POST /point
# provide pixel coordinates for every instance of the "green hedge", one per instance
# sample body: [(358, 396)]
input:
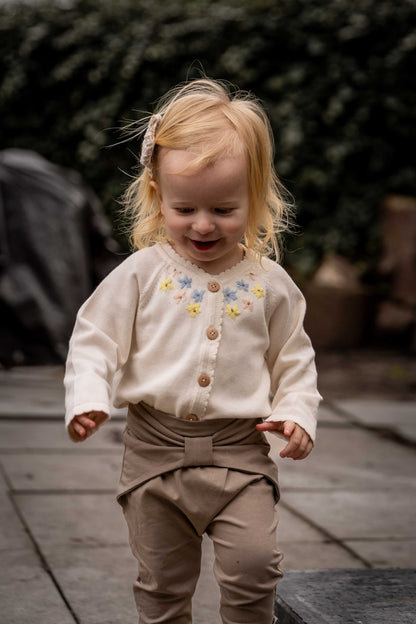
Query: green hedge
[(337, 78)]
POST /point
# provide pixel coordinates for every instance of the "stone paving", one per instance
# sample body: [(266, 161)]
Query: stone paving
[(63, 542)]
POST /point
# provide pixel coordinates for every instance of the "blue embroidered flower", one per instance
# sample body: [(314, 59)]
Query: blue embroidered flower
[(185, 281), (242, 285), (230, 295), (198, 295)]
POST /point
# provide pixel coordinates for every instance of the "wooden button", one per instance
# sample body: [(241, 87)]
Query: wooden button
[(191, 417), (212, 333), (213, 286), (204, 380)]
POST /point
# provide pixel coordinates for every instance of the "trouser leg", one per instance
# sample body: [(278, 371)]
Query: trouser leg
[(246, 555), (168, 550)]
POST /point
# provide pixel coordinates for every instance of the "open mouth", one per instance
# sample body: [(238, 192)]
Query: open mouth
[(204, 245)]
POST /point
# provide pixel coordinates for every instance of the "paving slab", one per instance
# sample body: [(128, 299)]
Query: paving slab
[(35, 392), (70, 519), (356, 486), (32, 391), (323, 555), (394, 553), (27, 592), (379, 413), (96, 581), (59, 472), (25, 436), (407, 432), (92, 561), (12, 531), (358, 515), (328, 416), (350, 458), (291, 528), (348, 597)]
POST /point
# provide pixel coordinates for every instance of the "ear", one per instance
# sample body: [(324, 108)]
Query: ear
[(156, 189)]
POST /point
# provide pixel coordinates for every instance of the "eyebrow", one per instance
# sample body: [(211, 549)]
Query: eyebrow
[(225, 204)]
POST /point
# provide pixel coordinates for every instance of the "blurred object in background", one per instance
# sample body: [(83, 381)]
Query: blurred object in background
[(55, 246), (340, 307), (396, 318)]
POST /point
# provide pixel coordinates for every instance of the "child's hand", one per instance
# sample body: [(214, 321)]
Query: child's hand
[(299, 445), (83, 426)]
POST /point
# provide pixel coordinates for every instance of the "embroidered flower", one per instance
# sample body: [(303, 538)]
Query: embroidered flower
[(198, 295), (248, 304), (166, 285), (242, 285), (193, 309), (230, 295), (251, 275), (259, 292), (173, 271), (233, 311), (185, 281), (179, 296)]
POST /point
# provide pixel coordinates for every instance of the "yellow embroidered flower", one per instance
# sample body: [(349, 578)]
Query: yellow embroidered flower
[(166, 285), (194, 309), (259, 292), (233, 311)]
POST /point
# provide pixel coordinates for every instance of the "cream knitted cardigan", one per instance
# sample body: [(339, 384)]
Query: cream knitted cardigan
[(161, 330)]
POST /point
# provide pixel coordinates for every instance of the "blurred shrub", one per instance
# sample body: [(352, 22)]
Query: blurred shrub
[(337, 78)]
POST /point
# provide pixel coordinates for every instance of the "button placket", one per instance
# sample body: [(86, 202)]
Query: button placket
[(209, 348)]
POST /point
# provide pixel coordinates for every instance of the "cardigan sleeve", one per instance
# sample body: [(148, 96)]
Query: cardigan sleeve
[(291, 361), (100, 343)]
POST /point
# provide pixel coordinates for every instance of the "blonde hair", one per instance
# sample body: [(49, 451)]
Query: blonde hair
[(206, 118)]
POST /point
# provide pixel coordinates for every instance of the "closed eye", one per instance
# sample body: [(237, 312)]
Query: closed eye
[(223, 211), (184, 210)]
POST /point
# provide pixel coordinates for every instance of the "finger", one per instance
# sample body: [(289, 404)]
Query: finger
[(270, 426), (88, 425), (303, 450), (289, 427), (76, 431), (302, 443), (307, 451), (82, 426), (98, 417), (86, 421), (72, 434), (293, 444)]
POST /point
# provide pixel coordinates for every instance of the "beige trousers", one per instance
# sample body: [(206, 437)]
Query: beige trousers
[(167, 515)]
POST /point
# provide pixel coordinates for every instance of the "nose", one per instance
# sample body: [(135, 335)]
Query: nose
[(203, 223)]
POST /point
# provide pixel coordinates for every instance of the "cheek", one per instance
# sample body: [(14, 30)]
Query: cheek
[(237, 226), (173, 222)]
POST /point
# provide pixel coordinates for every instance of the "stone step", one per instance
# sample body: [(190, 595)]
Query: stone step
[(347, 597)]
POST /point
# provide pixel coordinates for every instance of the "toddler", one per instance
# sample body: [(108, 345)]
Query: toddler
[(201, 335)]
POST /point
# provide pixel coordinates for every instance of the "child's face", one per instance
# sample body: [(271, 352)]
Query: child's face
[(205, 211)]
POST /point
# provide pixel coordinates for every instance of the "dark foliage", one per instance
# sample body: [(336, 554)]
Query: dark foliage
[(337, 78)]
